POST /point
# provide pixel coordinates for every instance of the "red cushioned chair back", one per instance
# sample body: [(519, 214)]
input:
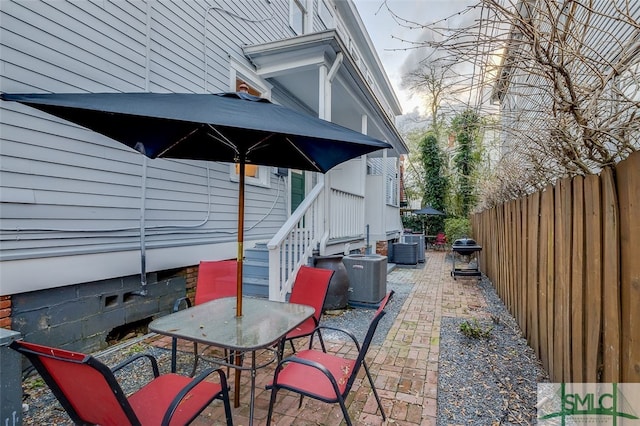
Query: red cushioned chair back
[(441, 238), (373, 325), (85, 387), (216, 279), (310, 288)]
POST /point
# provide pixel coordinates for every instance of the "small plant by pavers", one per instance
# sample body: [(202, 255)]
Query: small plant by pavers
[(473, 329), (35, 382), (135, 349)]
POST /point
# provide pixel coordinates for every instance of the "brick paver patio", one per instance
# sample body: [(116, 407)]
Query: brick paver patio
[(405, 367)]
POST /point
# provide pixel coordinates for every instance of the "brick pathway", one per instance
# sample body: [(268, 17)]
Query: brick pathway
[(405, 367)]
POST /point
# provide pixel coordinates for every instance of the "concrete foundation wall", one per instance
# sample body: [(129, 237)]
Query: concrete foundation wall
[(79, 317)]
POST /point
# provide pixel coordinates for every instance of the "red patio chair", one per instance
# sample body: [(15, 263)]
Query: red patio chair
[(324, 376), (440, 241), (216, 279), (89, 392), (309, 288)]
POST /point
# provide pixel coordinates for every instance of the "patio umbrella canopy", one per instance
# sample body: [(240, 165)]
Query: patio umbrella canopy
[(228, 127), (429, 211)]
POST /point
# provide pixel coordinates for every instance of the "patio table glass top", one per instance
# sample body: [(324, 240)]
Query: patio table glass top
[(263, 323)]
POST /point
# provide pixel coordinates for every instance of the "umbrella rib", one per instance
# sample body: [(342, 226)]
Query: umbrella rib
[(257, 144), (306, 157), (167, 149), (222, 139)]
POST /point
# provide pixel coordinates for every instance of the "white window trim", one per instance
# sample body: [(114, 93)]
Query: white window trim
[(239, 70), (325, 13), (303, 6), (263, 179)]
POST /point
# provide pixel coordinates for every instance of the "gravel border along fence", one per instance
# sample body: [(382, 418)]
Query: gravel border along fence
[(487, 381)]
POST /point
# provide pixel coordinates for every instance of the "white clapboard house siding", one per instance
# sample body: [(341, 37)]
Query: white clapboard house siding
[(71, 198), (67, 191)]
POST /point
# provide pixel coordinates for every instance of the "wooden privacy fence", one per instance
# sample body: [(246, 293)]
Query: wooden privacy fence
[(566, 263)]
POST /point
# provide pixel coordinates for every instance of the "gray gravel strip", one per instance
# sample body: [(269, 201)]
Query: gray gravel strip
[(487, 381)]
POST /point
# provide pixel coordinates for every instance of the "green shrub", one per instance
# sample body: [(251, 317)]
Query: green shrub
[(412, 222), (456, 228)]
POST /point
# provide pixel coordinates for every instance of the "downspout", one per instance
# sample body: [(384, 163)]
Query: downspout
[(143, 190), (323, 97), (385, 177), (143, 250)]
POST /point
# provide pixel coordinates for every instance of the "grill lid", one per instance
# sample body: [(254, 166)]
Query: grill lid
[(465, 246), (465, 242)]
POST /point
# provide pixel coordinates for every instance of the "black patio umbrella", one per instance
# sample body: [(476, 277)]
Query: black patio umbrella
[(429, 211), (228, 127)]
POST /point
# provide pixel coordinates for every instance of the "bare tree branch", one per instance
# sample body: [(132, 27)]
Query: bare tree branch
[(568, 83)]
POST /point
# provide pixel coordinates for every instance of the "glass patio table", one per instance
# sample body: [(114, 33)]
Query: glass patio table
[(263, 323)]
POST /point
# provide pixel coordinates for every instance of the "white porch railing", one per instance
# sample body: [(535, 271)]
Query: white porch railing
[(346, 215), (307, 230), (294, 243)]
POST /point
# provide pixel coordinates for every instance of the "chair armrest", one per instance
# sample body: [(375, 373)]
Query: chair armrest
[(180, 301), (311, 364), (340, 330), (151, 358), (192, 384)]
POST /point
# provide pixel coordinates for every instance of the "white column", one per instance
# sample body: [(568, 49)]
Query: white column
[(364, 126)]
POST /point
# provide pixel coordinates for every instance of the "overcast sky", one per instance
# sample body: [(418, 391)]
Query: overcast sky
[(397, 56)]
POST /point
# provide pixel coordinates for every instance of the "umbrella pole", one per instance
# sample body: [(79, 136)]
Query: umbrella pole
[(240, 238), (238, 358)]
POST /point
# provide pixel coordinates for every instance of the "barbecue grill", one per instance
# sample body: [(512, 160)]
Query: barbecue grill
[(465, 247)]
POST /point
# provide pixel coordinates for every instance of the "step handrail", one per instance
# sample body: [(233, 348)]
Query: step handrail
[(294, 242)]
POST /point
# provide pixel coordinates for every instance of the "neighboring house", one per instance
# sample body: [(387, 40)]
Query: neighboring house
[(569, 82), (73, 202)]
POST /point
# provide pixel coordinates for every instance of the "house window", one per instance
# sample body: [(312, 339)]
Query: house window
[(325, 14), (242, 86), (388, 168), (250, 170), (297, 16), (254, 174), (391, 191)]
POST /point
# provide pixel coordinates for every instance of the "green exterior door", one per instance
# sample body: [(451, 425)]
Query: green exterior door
[(297, 189)]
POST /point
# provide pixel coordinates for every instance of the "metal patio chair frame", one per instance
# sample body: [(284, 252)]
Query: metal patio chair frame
[(216, 279), (440, 242), (90, 394), (309, 288), (324, 376)]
